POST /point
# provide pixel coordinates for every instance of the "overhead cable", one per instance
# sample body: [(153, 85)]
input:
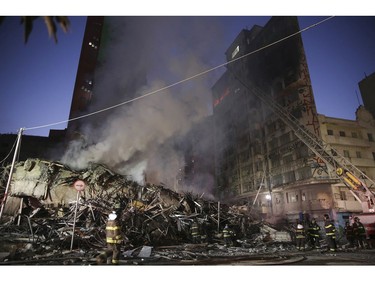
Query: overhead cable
[(181, 81)]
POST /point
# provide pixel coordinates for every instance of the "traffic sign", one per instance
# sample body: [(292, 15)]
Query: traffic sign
[(79, 185)]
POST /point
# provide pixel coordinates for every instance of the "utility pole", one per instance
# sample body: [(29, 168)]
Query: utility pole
[(15, 156)]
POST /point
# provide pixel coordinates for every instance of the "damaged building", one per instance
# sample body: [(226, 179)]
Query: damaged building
[(244, 166), (45, 210), (259, 159)]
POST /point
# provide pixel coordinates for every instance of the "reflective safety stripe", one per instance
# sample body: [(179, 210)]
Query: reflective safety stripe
[(226, 233), (112, 227), (113, 241)]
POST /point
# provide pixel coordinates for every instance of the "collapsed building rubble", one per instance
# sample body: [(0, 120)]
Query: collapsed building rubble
[(45, 213)]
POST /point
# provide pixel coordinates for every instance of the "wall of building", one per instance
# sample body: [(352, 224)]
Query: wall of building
[(258, 159), (253, 145)]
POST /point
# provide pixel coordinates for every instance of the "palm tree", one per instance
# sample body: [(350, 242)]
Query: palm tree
[(50, 21)]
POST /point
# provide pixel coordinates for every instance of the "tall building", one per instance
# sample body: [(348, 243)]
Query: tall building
[(88, 61), (101, 33), (367, 89), (259, 159)]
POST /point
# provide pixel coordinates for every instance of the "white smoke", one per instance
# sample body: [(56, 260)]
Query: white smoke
[(144, 54)]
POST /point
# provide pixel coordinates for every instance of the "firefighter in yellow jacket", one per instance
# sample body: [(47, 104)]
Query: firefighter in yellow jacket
[(300, 236), (113, 239), (330, 230)]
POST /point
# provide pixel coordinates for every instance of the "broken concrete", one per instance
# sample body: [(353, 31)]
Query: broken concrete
[(47, 213)]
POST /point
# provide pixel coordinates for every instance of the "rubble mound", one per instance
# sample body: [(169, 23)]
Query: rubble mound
[(43, 208)]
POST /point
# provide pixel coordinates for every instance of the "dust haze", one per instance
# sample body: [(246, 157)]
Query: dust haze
[(140, 55)]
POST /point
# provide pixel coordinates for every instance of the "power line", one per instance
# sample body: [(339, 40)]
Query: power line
[(13, 146), (181, 81)]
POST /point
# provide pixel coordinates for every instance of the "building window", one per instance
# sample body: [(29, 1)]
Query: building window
[(373, 155), (235, 52), (346, 153), (342, 134), (343, 195), (288, 159), (354, 135), (293, 198), (287, 197), (303, 197), (358, 153), (285, 138), (275, 162), (330, 132), (370, 137), (273, 143)]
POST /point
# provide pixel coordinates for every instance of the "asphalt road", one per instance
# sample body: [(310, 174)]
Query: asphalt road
[(341, 257)]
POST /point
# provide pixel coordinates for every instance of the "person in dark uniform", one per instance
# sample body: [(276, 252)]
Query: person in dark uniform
[(195, 232), (114, 239), (300, 237), (330, 230), (313, 232), (359, 233), (349, 233), (227, 235)]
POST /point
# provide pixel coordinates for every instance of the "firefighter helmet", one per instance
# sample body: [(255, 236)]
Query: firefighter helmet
[(112, 216)]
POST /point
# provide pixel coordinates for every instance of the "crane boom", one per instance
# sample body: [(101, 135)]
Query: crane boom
[(348, 173)]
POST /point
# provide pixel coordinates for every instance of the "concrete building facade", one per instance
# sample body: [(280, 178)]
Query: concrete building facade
[(259, 160), (83, 88)]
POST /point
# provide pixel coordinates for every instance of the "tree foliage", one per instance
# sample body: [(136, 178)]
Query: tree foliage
[(51, 23)]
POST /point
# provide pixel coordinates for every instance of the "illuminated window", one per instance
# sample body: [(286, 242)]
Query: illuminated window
[(235, 52)]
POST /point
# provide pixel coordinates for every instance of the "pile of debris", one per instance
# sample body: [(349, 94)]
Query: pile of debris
[(45, 211)]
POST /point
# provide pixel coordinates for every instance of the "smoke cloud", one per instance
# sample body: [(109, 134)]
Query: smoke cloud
[(145, 138)]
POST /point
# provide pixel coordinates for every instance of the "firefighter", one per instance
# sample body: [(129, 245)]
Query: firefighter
[(359, 233), (300, 237), (195, 231), (204, 232), (227, 235), (114, 239), (330, 230), (313, 232), (349, 233)]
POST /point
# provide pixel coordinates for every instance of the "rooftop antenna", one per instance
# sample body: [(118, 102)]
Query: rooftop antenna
[(356, 93)]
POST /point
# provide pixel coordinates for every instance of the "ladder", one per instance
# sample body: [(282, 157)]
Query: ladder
[(348, 173)]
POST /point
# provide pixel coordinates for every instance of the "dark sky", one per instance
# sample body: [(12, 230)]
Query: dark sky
[(37, 78)]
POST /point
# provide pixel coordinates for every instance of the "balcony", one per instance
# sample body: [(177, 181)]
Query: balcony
[(337, 140), (350, 206)]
